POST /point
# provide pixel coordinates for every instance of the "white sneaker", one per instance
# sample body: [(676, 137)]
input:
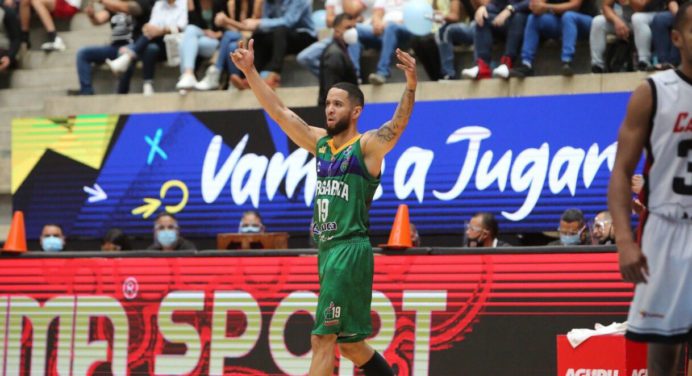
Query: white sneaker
[(120, 64), (502, 71), (57, 45), (187, 81), (471, 73), (210, 80), (377, 79), (148, 89)]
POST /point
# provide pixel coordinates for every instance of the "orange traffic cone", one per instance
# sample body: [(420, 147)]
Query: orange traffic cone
[(400, 237), (16, 238)]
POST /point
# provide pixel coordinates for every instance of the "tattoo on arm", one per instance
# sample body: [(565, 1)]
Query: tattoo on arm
[(386, 133), (301, 121)]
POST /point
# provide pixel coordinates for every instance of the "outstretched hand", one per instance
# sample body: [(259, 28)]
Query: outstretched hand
[(244, 58), (407, 64)]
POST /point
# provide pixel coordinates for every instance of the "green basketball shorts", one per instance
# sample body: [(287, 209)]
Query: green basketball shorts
[(343, 306)]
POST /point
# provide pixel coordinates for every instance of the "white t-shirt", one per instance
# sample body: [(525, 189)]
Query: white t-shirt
[(393, 10), (165, 15), (339, 8)]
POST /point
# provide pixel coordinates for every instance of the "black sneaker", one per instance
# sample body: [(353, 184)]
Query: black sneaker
[(520, 71), (597, 69), (567, 69), (643, 66)]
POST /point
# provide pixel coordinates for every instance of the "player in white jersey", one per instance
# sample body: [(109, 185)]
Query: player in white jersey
[(659, 119)]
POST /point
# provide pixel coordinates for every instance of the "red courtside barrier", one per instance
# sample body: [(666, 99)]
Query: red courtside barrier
[(218, 313)]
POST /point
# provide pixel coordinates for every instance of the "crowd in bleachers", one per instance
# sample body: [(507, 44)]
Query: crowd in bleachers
[(198, 33)]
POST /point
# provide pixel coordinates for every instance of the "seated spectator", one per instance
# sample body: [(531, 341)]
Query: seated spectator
[(572, 229), (310, 56), (603, 233), (167, 16), (335, 63), (482, 231), (52, 238), (126, 19), (368, 36), (46, 10), (251, 223), (644, 13), (167, 235), (201, 38), (503, 18), (115, 240), (666, 53), (286, 27), (415, 237), (388, 29), (454, 33), (616, 19), (10, 38), (427, 47), (232, 26), (555, 19)]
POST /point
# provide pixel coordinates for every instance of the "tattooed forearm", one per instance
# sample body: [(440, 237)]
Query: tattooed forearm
[(301, 121), (386, 133), (404, 110)]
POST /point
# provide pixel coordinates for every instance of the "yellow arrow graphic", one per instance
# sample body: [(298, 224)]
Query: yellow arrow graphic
[(147, 209), (178, 184)]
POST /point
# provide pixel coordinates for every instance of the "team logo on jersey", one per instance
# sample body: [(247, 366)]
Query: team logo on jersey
[(332, 315), (322, 150), (344, 165)]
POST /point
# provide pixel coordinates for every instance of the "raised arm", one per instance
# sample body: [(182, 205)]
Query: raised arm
[(296, 128), (631, 139), (377, 143)]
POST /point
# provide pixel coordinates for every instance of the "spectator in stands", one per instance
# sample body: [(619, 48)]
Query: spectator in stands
[(505, 18), (602, 232), (482, 231), (568, 20), (115, 240), (201, 38), (388, 32), (167, 16), (46, 10), (667, 54), (310, 56), (126, 19), (572, 228), (167, 235), (286, 27), (232, 26), (616, 19), (52, 238), (645, 11), (10, 38), (251, 223), (367, 38), (454, 32), (335, 64), (415, 237)]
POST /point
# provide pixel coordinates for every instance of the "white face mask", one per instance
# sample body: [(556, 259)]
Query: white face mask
[(351, 36)]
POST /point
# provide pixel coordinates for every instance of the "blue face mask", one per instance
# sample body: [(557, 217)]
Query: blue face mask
[(569, 239), (166, 237), (51, 244), (249, 229)]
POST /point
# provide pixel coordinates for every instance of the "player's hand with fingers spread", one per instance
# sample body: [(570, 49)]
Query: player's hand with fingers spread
[(407, 64), (633, 265), (244, 58)]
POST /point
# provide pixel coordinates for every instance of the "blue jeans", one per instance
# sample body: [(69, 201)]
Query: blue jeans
[(447, 37), (366, 39), (394, 35), (310, 57), (513, 29), (569, 26), (664, 49), (87, 56), (229, 42), (195, 43), (150, 51)]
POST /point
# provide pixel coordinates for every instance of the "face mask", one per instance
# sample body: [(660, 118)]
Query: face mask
[(351, 36), (251, 229), (569, 239), (51, 244), (166, 237)]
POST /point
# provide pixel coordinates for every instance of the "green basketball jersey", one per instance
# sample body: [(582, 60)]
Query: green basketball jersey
[(344, 192)]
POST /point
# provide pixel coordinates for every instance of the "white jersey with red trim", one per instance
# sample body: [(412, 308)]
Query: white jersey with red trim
[(668, 171)]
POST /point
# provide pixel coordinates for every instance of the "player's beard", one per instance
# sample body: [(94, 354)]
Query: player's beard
[(340, 126)]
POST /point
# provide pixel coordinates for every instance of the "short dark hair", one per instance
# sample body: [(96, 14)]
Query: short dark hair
[(253, 212), (489, 223), (355, 95), (341, 18), (572, 215), (681, 16), (117, 237), (165, 214)]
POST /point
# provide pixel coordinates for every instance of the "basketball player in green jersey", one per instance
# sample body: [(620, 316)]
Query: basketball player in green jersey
[(348, 172)]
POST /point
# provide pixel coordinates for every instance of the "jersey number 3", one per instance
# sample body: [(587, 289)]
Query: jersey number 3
[(679, 186)]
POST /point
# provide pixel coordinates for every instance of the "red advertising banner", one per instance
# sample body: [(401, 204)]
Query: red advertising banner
[(223, 314)]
